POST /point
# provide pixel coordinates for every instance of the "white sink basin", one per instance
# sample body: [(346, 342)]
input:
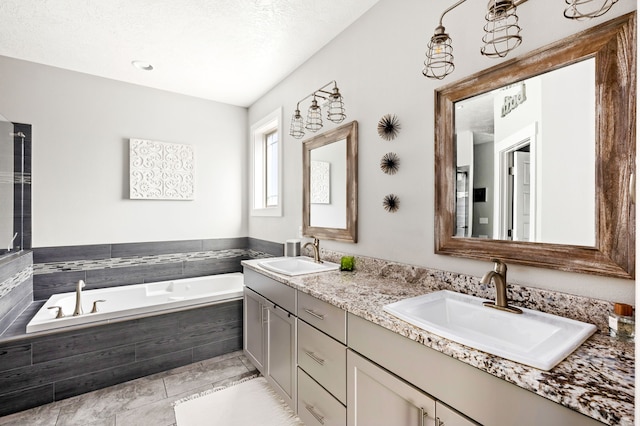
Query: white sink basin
[(532, 338), (297, 265)]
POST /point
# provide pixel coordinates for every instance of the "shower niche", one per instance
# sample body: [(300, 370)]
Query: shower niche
[(15, 187)]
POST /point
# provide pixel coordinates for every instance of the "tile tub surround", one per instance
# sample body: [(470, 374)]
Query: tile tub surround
[(596, 380), (100, 356), (58, 269), (45, 367)]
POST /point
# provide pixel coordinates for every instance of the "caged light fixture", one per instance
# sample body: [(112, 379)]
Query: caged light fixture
[(587, 9), (335, 111), (501, 32), (439, 62)]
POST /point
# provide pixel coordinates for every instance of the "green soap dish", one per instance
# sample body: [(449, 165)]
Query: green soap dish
[(347, 263)]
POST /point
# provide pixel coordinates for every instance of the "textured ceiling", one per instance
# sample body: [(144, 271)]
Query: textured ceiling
[(230, 51)]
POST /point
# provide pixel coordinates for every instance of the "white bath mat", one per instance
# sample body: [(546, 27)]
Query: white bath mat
[(250, 401)]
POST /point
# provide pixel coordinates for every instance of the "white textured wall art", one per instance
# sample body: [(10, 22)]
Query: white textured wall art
[(160, 171), (320, 182)]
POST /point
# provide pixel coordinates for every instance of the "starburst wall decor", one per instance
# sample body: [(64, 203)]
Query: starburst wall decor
[(391, 203), (388, 127), (390, 163)]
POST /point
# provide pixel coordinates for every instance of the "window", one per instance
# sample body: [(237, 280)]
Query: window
[(267, 166)]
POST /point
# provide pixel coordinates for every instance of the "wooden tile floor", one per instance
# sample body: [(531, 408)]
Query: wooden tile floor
[(145, 401)]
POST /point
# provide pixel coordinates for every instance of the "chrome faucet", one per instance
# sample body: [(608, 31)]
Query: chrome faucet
[(78, 310), (499, 277), (316, 249)]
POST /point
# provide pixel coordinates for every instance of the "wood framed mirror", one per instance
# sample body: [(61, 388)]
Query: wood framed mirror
[(330, 184), (611, 48)]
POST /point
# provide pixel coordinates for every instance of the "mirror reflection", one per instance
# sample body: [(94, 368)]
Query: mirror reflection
[(328, 185), (525, 160)]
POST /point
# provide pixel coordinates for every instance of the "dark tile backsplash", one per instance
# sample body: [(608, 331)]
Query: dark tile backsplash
[(68, 253), (58, 269)]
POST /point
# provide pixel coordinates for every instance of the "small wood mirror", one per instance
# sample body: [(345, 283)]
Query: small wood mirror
[(472, 186), (330, 184)]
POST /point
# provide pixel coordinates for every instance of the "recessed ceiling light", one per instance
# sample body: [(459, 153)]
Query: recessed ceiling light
[(145, 66)]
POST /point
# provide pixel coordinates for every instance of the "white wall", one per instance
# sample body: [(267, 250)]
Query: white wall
[(377, 63), (81, 126)]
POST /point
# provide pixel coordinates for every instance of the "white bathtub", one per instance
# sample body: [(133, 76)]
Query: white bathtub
[(133, 300)]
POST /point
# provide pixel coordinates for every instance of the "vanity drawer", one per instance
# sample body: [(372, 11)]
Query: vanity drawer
[(316, 406), (324, 359), (278, 293), (323, 316)]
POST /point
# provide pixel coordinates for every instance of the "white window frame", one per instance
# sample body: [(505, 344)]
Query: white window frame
[(258, 177)]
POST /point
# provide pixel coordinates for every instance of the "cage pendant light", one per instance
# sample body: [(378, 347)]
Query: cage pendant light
[(502, 32), (587, 9), (335, 113), (439, 62), (314, 117), (297, 124)]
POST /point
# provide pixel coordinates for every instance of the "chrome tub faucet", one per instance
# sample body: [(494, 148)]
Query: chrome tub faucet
[(499, 277), (316, 249)]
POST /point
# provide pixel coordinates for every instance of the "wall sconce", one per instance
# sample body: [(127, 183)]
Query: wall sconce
[(335, 111), (439, 62), (587, 9), (502, 32)]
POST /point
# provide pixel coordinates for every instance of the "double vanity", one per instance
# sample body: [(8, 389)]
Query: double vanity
[(330, 346)]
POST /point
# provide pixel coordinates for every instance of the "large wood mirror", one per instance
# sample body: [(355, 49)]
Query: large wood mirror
[(330, 184), (575, 210)]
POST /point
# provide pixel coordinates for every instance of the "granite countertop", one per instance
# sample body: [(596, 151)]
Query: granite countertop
[(596, 380)]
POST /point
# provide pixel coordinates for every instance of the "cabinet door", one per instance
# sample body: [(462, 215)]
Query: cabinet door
[(255, 317), (448, 417), (281, 353), (377, 397)]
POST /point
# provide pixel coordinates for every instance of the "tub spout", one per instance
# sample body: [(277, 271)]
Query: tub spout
[(78, 310)]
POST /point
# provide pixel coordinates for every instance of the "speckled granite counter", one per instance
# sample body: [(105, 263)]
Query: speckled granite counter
[(596, 380)]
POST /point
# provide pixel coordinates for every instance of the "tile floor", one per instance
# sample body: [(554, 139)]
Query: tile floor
[(145, 401)]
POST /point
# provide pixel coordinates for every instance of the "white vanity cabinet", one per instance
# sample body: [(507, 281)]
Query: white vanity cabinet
[(479, 395), (335, 369), (254, 329), (377, 398), (270, 332), (322, 362)]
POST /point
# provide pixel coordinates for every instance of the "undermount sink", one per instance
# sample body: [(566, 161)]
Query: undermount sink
[(532, 338), (297, 265)]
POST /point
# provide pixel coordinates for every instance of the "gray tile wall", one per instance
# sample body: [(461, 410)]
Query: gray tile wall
[(43, 369), (58, 269), (16, 287)]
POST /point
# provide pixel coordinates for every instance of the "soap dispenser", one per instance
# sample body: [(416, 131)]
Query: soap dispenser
[(622, 323)]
